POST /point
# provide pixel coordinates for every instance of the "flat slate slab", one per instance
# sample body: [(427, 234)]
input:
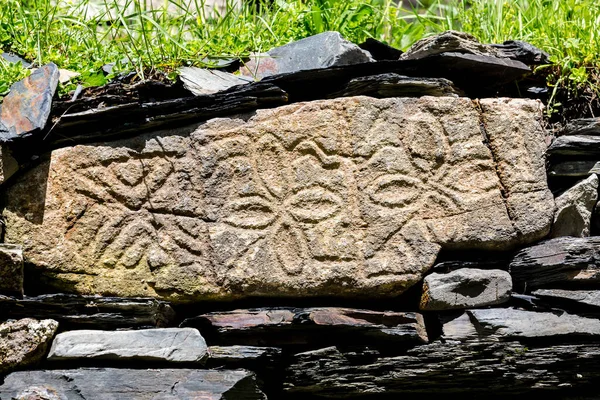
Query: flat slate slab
[(344, 197), (138, 384), (310, 326), (162, 344), (91, 312)]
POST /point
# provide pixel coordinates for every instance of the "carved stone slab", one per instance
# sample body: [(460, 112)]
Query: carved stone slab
[(337, 197)]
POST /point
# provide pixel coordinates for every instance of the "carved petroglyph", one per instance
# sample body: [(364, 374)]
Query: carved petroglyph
[(336, 197)]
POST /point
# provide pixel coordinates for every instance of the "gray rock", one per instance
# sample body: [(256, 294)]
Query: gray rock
[(465, 288), (513, 323), (575, 145), (138, 384), (11, 270), (309, 326), (574, 168), (557, 261), (13, 58), (8, 164), (458, 327), (166, 344), (395, 85), (587, 297), (91, 312), (26, 108), (474, 369), (574, 209), (205, 81), (24, 342), (523, 51), (327, 49), (450, 42), (582, 126)]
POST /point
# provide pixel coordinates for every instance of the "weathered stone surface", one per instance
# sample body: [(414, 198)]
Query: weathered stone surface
[(205, 81), (394, 85), (327, 49), (449, 42), (24, 342), (92, 312), (575, 145), (26, 108), (309, 326), (465, 288), (523, 51), (225, 355), (162, 344), (513, 323), (574, 209), (517, 142), (139, 384), (582, 126), (8, 165), (352, 196), (472, 368), (565, 260), (11, 270), (574, 168), (586, 297)]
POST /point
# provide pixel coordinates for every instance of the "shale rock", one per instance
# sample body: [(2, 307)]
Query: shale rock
[(11, 270), (394, 85), (380, 51), (353, 196), (574, 209), (24, 342), (143, 384), (309, 326), (470, 368), (522, 51), (582, 297), (327, 49), (205, 81), (26, 108), (575, 145), (565, 260), (166, 344), (449, 42), (92, 312), (465, 288), (582, 126), (509, 323)]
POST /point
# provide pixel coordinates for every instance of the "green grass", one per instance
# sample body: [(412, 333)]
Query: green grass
[(83, 35)]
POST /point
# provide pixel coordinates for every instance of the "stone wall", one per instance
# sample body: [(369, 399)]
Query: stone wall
[(366, 228)]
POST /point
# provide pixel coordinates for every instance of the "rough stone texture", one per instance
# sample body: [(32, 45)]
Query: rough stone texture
[(138, 384), (449, 42), (8, 165), (513, 323), (11, 270), (465, 288), (574, 168), (523, 51), (26, 108), (380, 51), (309, 326), (24, 342), (575, 145), (91, 312), (166, 344), (206, 81), (565, 260), (517, 141), (327, 49), (574, 209), (353, 196), (586, 297), (482, 369), (582, 126), (395, 85)]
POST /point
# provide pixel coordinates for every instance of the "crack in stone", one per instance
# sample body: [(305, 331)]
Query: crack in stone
[(486, 141)]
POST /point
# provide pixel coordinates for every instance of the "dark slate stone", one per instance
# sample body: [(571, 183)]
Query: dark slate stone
[(574, 168), (311, 327), (250, 357), (380, 51), (327, 49), (523, 51), (473, 368), (575, 145), (26, 108), (120, 384), (560, 261), (13, 58), (582, 126), (77, 312), (395, 85)]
